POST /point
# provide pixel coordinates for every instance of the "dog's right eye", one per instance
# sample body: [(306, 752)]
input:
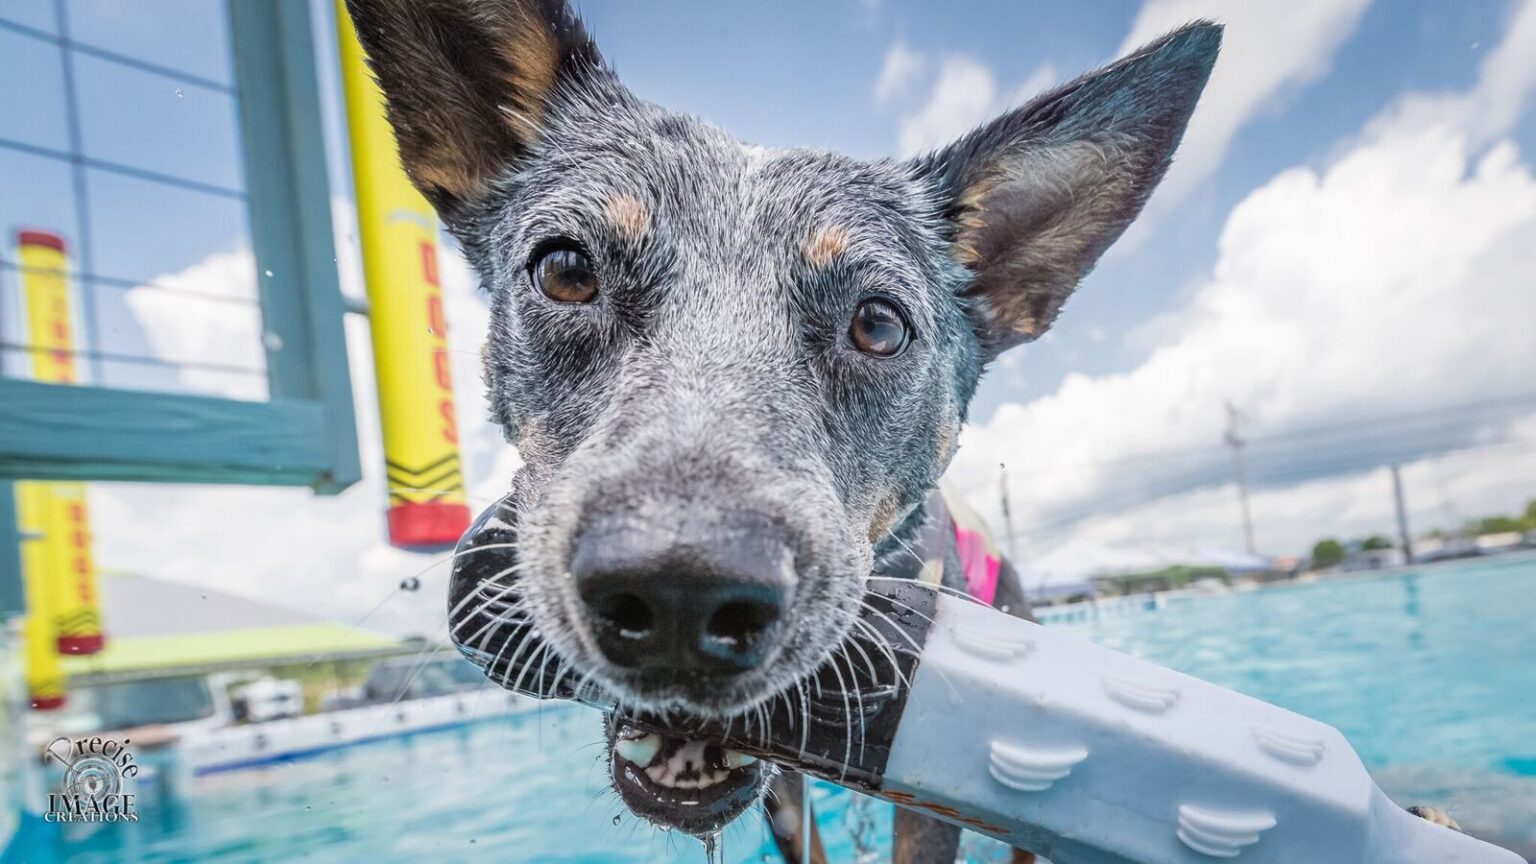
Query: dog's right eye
[(565, 274)]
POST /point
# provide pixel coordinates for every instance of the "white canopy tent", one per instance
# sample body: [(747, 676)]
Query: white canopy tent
[(1072, 567)]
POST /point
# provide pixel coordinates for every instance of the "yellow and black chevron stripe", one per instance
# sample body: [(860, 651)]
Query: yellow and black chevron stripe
[(432, 482), (82, 622)]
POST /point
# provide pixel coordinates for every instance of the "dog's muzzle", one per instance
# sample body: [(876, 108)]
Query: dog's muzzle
[(691, 773)]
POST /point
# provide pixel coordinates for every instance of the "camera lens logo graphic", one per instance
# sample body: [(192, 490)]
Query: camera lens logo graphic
[(93, 777), (87, 774), (96, 773)]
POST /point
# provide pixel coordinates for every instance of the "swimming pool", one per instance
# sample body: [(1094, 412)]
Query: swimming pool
[(1430, 672)]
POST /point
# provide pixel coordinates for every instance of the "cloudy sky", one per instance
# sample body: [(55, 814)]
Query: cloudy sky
[(1343, 253)]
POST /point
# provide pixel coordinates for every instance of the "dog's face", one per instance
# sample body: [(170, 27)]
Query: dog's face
[(733, 371)]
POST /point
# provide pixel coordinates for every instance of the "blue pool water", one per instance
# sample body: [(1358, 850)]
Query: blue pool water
[(1430, 673)]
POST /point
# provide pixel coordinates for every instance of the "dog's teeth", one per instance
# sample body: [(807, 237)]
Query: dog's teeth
[(737, 759), (638, 750), (661, 775), (684, 768)]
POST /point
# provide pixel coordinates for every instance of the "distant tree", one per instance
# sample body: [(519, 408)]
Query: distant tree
[(1530, 515), (1495, 525), (1375, 542), (1327, 553)]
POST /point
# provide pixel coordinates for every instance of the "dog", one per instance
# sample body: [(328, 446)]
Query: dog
[(734, 373)]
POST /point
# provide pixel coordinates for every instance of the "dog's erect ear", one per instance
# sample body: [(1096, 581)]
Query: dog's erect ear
[(467, 82), (1037, 195)]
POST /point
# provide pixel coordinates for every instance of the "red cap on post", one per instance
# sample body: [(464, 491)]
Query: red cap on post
[(427, 527), (34, 237), (88, 644), (47, 703)]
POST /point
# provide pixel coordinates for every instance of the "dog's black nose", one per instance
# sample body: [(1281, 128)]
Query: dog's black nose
[(662, 603)]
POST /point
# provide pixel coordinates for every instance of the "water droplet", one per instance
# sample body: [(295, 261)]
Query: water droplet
[(431, 332), (617, 819), (269, 274), (410, 583), (179, 94)]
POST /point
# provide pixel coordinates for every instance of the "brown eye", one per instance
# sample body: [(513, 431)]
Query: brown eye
[(878, 328), (565, 274)]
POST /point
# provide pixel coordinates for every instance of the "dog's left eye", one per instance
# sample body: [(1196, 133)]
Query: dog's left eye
[(564, 273), (878, 328)]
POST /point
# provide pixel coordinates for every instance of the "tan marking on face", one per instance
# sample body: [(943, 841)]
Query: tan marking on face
[(949, 429), (532, 443), (825, 245), (946, 443), (884, 518), (628, 216)]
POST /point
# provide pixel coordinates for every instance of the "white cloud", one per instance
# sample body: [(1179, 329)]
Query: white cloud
[(964, 95), (1441, 492), (1395, 280), (324, 555), (898, 72), (1270, 47), (206, 331)]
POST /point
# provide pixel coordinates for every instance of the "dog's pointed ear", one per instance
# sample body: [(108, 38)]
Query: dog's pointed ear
[(1037, 195), (468, 82)]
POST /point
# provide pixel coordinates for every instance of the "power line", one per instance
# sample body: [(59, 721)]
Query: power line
[(1129, 500), (1440, 418)]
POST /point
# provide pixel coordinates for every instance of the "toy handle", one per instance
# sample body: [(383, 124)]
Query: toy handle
[(1085, 755)]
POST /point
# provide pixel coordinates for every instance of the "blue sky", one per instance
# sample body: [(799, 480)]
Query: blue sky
[(1342, 243)]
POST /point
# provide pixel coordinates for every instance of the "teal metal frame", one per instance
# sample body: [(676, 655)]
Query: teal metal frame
[(13, 600), (305, 435)]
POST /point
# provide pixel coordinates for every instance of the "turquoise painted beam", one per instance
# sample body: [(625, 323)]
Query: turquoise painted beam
[(290, 209), (56, 432), (12, 599), (306, 435)]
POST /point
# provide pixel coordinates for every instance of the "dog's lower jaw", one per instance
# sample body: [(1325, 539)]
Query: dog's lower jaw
[(674, 783)]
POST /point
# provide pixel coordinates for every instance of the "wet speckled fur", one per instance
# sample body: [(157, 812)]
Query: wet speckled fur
[(714, 371)]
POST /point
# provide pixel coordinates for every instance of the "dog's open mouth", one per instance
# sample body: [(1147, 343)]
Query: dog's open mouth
[(693, 786)]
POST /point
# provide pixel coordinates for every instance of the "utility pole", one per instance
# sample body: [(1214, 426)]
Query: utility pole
[(1402, 514), (1002, 484), (1235, 441)]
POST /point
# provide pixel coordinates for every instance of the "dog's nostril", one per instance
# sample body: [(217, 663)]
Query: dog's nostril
[(628, 614), (739, 625)]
